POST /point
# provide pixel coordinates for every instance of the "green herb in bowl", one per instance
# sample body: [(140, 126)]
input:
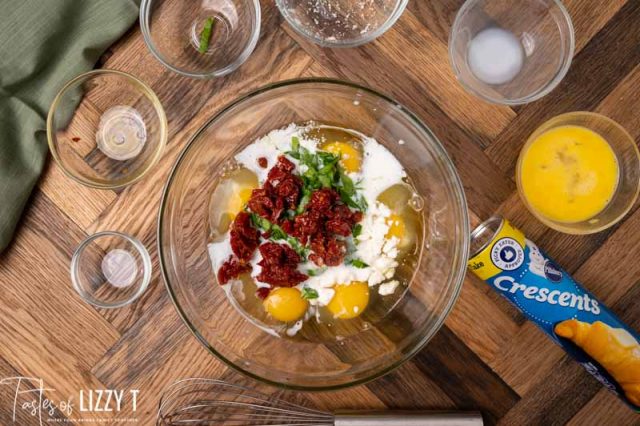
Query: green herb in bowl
[(205, 34)]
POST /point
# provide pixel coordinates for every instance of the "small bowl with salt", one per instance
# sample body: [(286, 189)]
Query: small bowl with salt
[(110, 269), (341, 23), (511, 52), (106, 129)]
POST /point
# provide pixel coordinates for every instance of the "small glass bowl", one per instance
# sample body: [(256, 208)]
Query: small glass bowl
[(540, 35), (172, 30), (628, 157), (110, 269), (335, 23), (106, 129)]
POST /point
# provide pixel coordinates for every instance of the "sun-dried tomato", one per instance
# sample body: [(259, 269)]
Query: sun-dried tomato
[(281, 190), (306, 224), (281, 170), (263, 205), (322, 200), (263, 292), (231, 269), (287, 226), (285, 164), (327, 251), (279, 263), (325, 219), (288, 189), (281, 276), (244, 237), (339, 227), (278, 254)]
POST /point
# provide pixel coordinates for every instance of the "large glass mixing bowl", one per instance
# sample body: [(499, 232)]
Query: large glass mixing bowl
[(183, 234)]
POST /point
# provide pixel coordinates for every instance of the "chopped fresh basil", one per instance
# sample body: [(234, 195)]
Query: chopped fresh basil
[(315, 272), (322, 170), (205, 34), (306, 196), (309, 293), (260, 222), (347, 190), (276, 233), (356, 231), (358, 263)]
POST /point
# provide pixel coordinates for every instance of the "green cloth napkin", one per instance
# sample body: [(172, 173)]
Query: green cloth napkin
[(43, 44)]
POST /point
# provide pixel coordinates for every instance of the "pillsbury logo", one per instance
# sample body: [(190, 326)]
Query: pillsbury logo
[(552, 272), (507, 254)]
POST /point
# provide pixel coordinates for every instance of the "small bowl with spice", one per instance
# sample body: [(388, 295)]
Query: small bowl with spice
[(339, 23), (106, 129), (110, 269), (511, 52), (201, 39)]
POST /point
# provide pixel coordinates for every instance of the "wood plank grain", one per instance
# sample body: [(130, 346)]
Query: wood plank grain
[(47, 281), (604, 408), (463, 376), (588, 17), (479, 322), (437, 16), (126, 360), (556, 398), (407, 388), (82, 204), (411, 44)]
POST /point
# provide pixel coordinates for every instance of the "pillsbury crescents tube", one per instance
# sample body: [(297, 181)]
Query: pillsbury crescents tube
[(547, 295)]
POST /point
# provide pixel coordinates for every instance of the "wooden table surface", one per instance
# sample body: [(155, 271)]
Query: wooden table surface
[(486, 356)]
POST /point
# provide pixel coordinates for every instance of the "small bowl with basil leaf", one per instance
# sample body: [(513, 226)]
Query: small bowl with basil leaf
[(201, 39)]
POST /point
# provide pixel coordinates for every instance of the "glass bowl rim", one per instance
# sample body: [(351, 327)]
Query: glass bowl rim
[(241, 59), (548, 88), (391, 20), (457, 278), (560, 226), (148, 92), (146, 262)]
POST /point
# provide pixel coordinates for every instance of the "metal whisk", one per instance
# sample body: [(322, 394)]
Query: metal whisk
[(214, 402)]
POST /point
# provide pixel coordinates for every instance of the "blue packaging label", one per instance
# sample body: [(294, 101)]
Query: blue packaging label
[(563, 309)]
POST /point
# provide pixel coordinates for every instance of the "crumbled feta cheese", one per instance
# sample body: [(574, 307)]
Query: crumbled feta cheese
[(388, 288), (293, 330)]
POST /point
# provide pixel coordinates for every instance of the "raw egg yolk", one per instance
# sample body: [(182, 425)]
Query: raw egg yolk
[(238, 200), (286, 304), (397, 227), (229, 198), (350, 300), (350, 156)]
